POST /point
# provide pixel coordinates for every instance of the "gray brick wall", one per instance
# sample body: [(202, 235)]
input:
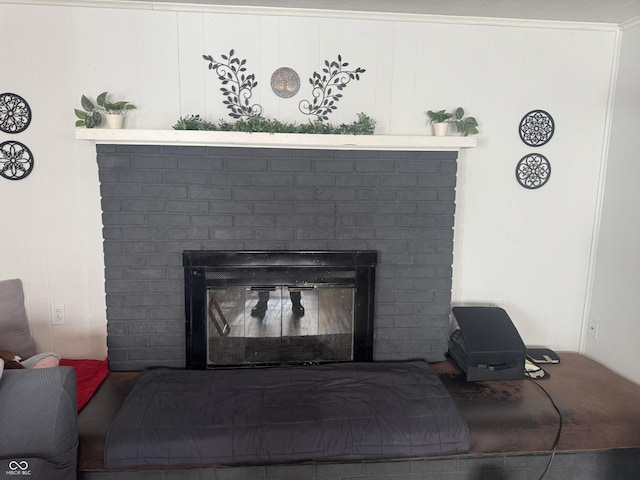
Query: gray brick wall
[(158, 201)]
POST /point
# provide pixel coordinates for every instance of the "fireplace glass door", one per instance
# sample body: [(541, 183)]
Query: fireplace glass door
[(246, 308), (275, 324)]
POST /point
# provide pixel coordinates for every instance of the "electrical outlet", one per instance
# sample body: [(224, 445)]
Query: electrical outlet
[(58, 314), (592, 328)]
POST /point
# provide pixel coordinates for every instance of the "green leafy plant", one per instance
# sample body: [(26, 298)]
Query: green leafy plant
[(116, 108), (440, 116), (365, 125), (91, 114), (193, 122), (88, 117), (465, 126)]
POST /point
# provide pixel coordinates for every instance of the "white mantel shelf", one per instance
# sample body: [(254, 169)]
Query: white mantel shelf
[(277, 140)]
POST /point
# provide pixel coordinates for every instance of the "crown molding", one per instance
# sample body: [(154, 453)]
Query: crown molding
[(633, 22), (194, 6)]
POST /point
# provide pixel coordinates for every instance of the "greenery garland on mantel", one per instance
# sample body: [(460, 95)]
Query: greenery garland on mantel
[(365, 125)]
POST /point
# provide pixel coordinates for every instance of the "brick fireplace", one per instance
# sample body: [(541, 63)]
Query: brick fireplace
[(161, 200)]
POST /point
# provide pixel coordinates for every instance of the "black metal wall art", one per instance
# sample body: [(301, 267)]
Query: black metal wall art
[(237, 86), (16, 160), (533, 171), (327, 88), (15, 113), (536, 128)]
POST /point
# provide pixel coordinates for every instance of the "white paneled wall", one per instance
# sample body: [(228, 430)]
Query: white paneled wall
[(529, 250), (525, 250), (615, 303)]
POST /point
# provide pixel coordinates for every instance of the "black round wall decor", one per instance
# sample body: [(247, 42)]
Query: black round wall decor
[(15, 113), (16, 160), (536, 128), (533, 171)]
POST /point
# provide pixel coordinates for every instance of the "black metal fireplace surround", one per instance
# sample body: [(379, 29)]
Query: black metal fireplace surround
[(247, 308)]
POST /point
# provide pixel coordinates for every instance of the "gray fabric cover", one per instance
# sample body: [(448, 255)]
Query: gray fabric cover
[(285, 414), (14, 327), (38, 421)]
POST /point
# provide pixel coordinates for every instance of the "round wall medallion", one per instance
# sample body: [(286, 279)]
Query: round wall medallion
[(16, 160), (285, 82), (15, 113), (533, 171), (536, 128)]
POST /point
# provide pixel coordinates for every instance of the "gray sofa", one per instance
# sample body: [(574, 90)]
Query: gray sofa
[(38, 421), (38, 409)]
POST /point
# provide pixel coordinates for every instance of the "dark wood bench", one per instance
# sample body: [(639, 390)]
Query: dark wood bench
[(600, 409)]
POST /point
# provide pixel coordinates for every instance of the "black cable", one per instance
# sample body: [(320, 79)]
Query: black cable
[(557, 439)]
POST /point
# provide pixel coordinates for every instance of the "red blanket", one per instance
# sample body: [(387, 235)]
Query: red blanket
[(89, 376)]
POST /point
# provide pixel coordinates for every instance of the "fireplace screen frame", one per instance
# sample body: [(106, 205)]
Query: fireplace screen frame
[(276, 267)]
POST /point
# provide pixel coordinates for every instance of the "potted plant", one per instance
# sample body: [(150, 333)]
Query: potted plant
[(465, 126), (114, 112), (89, 116), (441, 119), (92, 115), (439, 122)]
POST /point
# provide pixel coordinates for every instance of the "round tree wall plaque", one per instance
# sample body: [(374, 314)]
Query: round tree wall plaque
[(285, 82), (16, 160), (15, 113), (536, 128)]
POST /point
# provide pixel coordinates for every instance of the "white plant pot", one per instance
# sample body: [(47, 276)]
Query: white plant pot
[(440, 129), (113, 120)]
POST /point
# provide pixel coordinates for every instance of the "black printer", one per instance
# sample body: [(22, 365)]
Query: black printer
[(486, 345)]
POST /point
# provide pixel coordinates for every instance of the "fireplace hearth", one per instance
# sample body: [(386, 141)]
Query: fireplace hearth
[(246, 308)]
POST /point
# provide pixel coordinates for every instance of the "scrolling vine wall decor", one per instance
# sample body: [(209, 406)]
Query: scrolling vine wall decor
[(232, 72), (238, 85), (324, 91)]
